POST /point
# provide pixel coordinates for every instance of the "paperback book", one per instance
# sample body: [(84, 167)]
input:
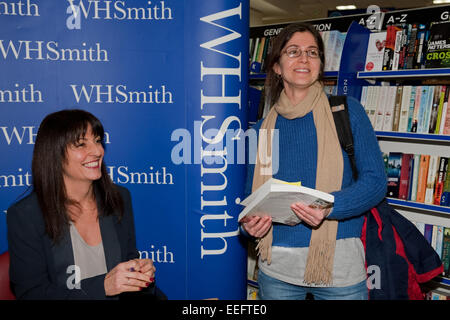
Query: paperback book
[(274, 198)]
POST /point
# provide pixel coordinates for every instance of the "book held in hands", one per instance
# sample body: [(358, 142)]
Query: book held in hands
[(274, 198)]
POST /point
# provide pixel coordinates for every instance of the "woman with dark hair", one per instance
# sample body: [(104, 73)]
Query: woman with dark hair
[(73, 236), (323, 255)]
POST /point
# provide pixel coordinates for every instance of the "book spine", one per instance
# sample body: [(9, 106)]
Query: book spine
[(445, 197), (381, 105), (404, 176), (411, 47), (440, 109), (403, 122), (446, 122), (439, 241), (415, 179), (443, 164), (411, 109), (395, 102), (422, 108), (429, 191), (422, 179), (428, 232), (416, 109), (446, 252), (429, 110)]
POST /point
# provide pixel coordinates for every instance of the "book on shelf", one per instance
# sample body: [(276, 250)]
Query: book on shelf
[(405, 172), (439, 240), (445, 126), (404, 109), (434, 110), (431, 179), (445, 197), (428, 234), (415, 177), (422, 178), (393, 174), (380, 108), (421, 42), (394, 104), (438, 45), (274, 198), (375, 51), (446, 252), (441, 108), (440, 180)]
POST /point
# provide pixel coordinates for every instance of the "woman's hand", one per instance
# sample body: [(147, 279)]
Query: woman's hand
[(130, 276), (257, 226), (311, 216)]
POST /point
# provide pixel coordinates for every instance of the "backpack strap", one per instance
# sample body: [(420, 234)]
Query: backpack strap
[(339, 108)]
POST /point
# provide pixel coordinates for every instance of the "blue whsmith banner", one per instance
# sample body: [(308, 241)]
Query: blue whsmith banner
[(168, 81)]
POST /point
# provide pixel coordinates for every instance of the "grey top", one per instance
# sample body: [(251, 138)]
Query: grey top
[(90, 259), (348, 269)]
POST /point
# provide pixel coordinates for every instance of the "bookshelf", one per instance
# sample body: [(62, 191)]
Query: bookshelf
[(350, 79)]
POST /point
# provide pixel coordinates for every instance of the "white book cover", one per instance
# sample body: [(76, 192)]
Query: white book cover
[(431, 178), (275, 197), (398, 43), (372, 104), (404, 109), (389, 109), (339, 45), (375, 51), (434, 237), (363, 99), (421, 227), (439, 240), (381, 105), (329, 50)]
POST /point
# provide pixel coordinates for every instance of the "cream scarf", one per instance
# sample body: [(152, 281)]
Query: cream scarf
[(319, 264)]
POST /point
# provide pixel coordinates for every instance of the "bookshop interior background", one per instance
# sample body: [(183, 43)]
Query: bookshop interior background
[(265, 12)]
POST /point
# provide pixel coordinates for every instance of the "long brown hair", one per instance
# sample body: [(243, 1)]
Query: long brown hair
[(274, 83), (57, 131)]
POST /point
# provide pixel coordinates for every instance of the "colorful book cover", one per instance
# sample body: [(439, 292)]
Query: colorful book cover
[(434, 109), (393, 174), (443, 165), (445, 197), (438, 47), (440, 109), (375, 51)]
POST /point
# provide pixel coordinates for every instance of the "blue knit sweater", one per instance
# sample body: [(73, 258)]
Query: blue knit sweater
[(298, 162)]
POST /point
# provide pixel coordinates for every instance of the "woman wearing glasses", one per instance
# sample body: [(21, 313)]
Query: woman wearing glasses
[(323, 255)]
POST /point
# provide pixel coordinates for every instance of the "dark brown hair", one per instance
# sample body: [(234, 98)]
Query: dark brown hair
[(274, 83), (57, 131)]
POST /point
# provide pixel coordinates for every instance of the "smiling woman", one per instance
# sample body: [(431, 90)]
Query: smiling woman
[(73, 236)]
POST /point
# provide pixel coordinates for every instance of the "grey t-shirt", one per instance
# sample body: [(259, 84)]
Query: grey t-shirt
[(288, 264), (90, 259)]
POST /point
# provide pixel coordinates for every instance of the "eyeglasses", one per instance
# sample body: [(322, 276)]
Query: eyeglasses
[(294, 52)]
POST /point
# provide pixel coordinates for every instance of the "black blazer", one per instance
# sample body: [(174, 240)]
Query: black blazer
[(39, 268)]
